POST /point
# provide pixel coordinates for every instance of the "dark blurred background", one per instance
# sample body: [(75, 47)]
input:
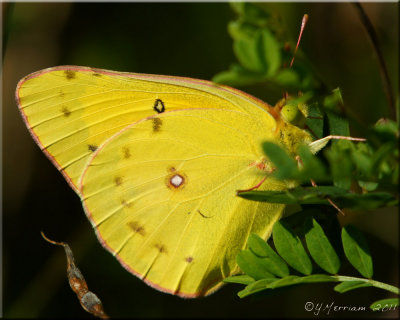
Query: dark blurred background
[(182, 39)]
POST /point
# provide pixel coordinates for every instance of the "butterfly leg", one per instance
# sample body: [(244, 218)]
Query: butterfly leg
[(314, 184)]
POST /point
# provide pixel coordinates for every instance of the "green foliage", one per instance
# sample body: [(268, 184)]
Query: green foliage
[(357, 251), (356, 175), (320, 248), (275, 263), (351, 285), (255, 267), (266, 270), (322, 195), (261, 53), (290, 248)]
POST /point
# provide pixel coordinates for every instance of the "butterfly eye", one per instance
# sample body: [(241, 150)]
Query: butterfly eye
[(290, 113)]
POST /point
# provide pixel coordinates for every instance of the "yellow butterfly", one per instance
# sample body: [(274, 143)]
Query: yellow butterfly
[(157, 162)]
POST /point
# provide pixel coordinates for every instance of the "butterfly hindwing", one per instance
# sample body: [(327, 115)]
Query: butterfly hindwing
[(161, 194)]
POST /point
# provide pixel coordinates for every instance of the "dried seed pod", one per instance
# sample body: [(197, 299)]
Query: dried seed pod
[(89, 301)]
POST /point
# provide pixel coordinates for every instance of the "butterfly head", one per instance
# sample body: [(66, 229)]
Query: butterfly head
[(291, 120), (292, 111)]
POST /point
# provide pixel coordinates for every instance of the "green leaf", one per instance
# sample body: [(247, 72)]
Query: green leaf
[(312, 167), (367, 185), (270, 51), (320, 248), (287, 78), (300, 195), (270, 284), (362, 161), (382, 154), (315, 278), (284, 197), (293, 280), (334, 101), (284, 282), (319, 195), (367, 200), (250, 12), (241, 30), (247, 53), (252, 265), (247, 45), (290, 248), (260, 247), (338, 125), (238, 76), (339, 157), (241, 279), (385, 304), (255, 287), (334, 105), (315, 120), (386, 129), (351, 285), (286, 166), (356, 250)]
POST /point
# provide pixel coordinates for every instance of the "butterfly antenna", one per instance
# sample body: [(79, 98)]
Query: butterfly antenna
[(303, 25)]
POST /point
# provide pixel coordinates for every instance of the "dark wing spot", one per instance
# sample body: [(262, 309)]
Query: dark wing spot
[(160, 248), (136, 227), (171, 169), (204, 216), (126, 152), (118, 181), (69, 74), (159, 106), (125, 204), (189, 259), (157, 123), (96, 74), (65, 111), (92, 147)]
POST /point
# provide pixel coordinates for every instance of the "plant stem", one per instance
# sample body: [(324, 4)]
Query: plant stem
[(374, 283), (382, 66)]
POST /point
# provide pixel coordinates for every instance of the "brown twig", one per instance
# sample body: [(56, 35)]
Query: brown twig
[(382, 66)]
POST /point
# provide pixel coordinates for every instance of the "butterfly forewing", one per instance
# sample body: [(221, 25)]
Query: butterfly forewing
[(72, 110)]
